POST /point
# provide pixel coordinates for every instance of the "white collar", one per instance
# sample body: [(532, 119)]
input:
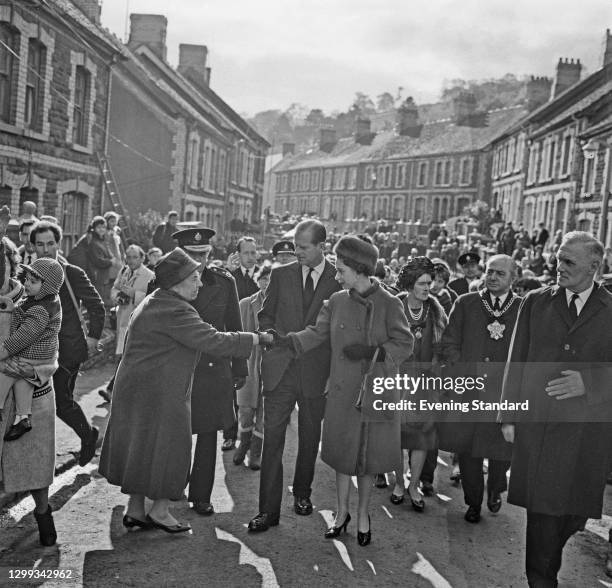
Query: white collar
[(249, 272), (502, 298), (317, 269), (583, 296)]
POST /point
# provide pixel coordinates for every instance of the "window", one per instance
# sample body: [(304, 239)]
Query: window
[(222, 166), (314, 180), (81, 103), (339, 178), (369, 177), (398, 208), (439, 175), (387, 181), (448, 165), (400, 179), (294, 182), (352, 178), (74, 218), (588, 177), (207, 173), (462, 204), (35, 85), (285, 183), (466, 171), (435, 215), (534, 154), (194, 156), (566, 156), (419, 209), (327, 179), (422, 174), (213, 169), (552, 154), (511, 155), (520, 147), (8, 38)]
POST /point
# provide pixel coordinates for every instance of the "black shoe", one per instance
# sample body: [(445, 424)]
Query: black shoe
[(21, 428), (302, 506), (262, 522), (364, 538), (228, 444), (46, 528), (88, 448), (130, 523), (395, 499), (472, 515), (380, 481), (494, 502), (417, 505), (427, 488), (335, 531), (178, 528), (203, 508)]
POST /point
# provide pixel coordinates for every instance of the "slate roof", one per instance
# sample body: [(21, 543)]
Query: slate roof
[(437, 138)]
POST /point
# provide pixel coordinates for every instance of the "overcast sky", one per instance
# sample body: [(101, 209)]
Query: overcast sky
[(269, 53)]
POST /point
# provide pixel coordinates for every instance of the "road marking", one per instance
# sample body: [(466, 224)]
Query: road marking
[(443, 497), (249, 557), (341, 547), (372, 566), (386, 511), (26, 505), (424, 569), (354, 480)]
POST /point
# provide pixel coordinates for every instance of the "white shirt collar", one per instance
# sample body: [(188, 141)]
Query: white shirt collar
[(249, 272), (317, 269), (502, 298), (582, 296)]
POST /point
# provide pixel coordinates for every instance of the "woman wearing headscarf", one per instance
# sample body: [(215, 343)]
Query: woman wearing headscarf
[(427, 323), (147, 446), (363, 321)]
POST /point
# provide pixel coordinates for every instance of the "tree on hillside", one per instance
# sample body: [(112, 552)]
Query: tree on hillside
[(315, 117), (296, 113), (363, 103), (385, 102)]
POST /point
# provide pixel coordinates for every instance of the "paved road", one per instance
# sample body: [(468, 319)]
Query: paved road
[(436, 548)]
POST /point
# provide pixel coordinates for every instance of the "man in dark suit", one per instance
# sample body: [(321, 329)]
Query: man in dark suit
[(293, 300), (476, 343), (561, 359), (245, 272), (74, 346), (469, 265), (541, 237), (162, 237), (215, 378)]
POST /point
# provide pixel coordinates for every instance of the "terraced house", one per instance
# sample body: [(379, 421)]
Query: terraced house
[(421, 171)]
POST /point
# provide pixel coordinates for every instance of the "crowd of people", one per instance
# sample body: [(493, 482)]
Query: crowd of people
[(233, 344)]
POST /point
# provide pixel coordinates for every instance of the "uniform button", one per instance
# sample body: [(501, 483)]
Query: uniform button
[(342, 325), (487, 359), (211, 365), (566, 347)]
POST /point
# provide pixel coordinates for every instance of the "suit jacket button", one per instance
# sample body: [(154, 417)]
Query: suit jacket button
[(566, 347)]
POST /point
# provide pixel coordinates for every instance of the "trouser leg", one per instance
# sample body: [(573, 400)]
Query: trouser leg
[(6, 383), (497, 481), (202, 476), (431, 461), (231, 432), (310, 415), (23, 390), (472, 479), (277, 408), (67, 409)]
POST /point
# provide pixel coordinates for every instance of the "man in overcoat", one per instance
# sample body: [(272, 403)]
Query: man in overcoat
[(293, 301), (212, 401), (244, 274), (476, 343), (469, 265), (560, 362)]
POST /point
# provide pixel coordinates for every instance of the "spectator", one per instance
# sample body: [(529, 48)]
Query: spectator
[(243, 274), (28, 211), (100, 259), (153, 256), (541, 236), (26, 249), (114, 244), (162, 237)]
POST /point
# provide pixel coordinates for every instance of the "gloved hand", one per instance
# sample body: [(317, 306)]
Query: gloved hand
[(239, 382), (358, 351), (280, 340)]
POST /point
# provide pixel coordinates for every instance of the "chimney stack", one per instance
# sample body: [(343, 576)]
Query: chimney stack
[(408, 119), (538, 92), (607, 58), (464, 107), (288, 149), (149, 30), (568, 74), (327, 140), (363, 131), (90, 8), (192, 62)]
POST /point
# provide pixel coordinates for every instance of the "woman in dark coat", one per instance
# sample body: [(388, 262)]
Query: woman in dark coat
[(100, 259), (427, 321), (361, 320), (147, 447)]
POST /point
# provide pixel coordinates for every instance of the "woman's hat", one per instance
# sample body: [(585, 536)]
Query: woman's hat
[(358, 250), (173, 268)]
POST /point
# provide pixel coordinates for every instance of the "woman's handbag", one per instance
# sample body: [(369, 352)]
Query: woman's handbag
[(367, 382)]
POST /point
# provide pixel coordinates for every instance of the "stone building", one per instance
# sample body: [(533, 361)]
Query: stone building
[(423, 171), (175, 144), (55, 66)]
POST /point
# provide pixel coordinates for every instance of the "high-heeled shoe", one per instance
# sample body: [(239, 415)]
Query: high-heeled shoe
[(130, 523), (395, 499), (418, 505), (334, 531), (364, 538)]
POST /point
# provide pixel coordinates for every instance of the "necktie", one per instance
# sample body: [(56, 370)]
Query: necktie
[(29, 259), (573, 307), (496, 304), (308, 291)]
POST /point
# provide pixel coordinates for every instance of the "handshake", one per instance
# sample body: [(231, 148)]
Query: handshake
[(272, 338)]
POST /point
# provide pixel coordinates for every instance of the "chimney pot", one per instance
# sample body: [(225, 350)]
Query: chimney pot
[(192, 62), (607, 52), (464, 107), (327, 140), (90, 8), (149, 30), (288, 149), (568, 74), (538, 92), (408, 119)]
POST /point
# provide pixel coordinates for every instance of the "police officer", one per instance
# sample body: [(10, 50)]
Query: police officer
[(469, 264), (283, 252), (212, 400)]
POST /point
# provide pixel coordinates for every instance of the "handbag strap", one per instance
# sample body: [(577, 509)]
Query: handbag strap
[(77, 307), (374, 359)]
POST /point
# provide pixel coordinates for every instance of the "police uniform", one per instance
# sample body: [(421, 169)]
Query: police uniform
[(462, 285), (283, 252), (212, 400)]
